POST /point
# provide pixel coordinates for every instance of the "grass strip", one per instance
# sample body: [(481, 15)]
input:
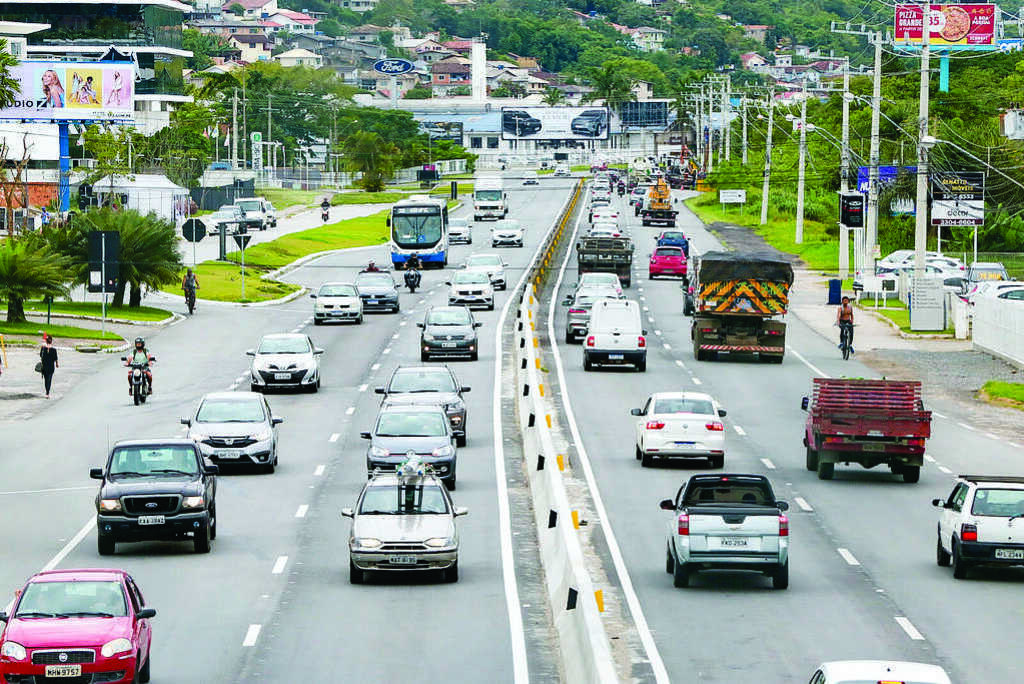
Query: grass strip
[(95, 310), (1004, 393), (35, 330)]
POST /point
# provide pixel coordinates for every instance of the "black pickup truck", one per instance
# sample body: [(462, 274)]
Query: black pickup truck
[(606, 255), (155, 490)]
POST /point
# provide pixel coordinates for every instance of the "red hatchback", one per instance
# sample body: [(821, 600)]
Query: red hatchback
[(667, 261), (77, 626)]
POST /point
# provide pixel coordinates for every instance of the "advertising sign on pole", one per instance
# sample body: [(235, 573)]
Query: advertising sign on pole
[(257, 150), (554, 123), (950, 25), (73, 91), (851, 210), (958, 198)]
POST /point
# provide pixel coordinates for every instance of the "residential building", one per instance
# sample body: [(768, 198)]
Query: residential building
[(358, 5), (448, 75), (431, 56), (225, 25), (253, 47), (644, 90), (253, 9), (299, 57), (292, 21), (649, 39), (458, 5), (367, 33), (461, 46), (752, 61), (758, 32)]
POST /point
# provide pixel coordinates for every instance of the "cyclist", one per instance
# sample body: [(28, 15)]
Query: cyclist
[(844, 318)]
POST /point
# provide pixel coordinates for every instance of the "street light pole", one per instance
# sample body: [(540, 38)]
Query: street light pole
[(876, 109), (768, 156), (743, 112), (800, 171), (921, 210)]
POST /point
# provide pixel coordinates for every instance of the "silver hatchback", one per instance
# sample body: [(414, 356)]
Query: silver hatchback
[(578, 317)]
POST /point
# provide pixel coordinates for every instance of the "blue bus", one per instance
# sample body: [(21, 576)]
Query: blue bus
[(419, 225)]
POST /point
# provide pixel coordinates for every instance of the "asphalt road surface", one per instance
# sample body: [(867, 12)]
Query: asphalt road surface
[(864, 583), (272, 601)]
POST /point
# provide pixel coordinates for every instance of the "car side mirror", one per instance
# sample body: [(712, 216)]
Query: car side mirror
[(312, 296), (803, 403), (318, 352), (567, 302), (365, 435), (636, 412), (186, 421), (447, 282), (276, 420), (96, 473), (420, 325), (212, 469), (938, 503), (721, 413), (250, 352), (667, 505), (379, 390), (460, 511), (347, 513), (643, 332), (478, 324), (146, 613), (3, 617), (783, 505)]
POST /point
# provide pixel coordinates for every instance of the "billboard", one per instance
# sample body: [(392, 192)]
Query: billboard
[(443, 130), (951, 25), (73, 91), (958, 198), (554, 123), (646, 114)]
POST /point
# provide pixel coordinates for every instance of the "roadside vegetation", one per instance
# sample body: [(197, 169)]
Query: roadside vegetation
[(142, 314), (32, 331), (1004, 393)]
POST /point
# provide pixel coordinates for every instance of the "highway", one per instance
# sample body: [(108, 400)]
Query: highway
[(864, 583), (272, 601)]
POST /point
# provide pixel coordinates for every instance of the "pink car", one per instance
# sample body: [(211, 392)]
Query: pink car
[(667, 261), (66, 625)]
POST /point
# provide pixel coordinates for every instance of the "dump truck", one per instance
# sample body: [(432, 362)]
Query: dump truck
[(738, 301), (869, 422), (605, 255), (657, 206)]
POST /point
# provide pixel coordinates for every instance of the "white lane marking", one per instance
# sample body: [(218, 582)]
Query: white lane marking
[(768, 463), (1014, 445), (402, 323), (647, 308), (301, 511), (70, 546), (251, 635), (848, 557), (965, 426), (362, 388), (395, 336), (640, 289), (657, 332), (242, 377), (375, 366), (909, 628), (334, 437), (635, 609), (696, 381), (680, 363), (937, 414), (650, 318), (232, 386), (279, 565), (319, 471), (946, 470), (802, 503), (666, 345), (387, 350), (929, 458), (739, 430), (54, 489), (821, 373), (350, 410), (991, 436)]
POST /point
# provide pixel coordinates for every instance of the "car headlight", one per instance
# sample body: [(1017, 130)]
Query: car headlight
[(379, 452), (13, 650), (444, 452), (192, 502), (366, 542), (264, 435), (439, 542), (427, 337), (112, 648), (110, 505)]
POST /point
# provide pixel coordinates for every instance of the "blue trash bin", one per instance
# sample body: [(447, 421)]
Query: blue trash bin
[(835, 292)]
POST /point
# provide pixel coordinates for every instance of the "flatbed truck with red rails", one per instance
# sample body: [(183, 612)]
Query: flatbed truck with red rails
[(869, 422)]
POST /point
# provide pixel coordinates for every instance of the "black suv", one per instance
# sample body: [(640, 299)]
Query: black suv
[(155, 490), (518, 122), (449, 331), (433, 385)]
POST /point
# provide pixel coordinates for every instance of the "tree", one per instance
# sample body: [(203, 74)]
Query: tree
[(509, 89), (13, 189), (365, 152), (460, 91), (28, 269), (610, 85), (203, 46), (418, 93), (553, 96), (9, 87), (237, 9)]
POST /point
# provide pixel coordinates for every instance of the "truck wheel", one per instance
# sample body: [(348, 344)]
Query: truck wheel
[(826, 470), (960, 566), (646, 460), (911, 474), (941, 557), (780, 578), (680, 574), (812, 459), (627, 282)]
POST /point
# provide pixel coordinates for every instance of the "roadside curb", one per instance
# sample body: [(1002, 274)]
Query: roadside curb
[(906, 335), (119, 321), (215, 303)]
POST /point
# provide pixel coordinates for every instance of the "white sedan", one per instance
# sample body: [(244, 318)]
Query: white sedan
[(337, 302), (680, 425), (859, 671), (597, 279)]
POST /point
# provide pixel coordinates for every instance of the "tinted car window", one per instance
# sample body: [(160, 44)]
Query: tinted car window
[(63, 598), (677, 405), (338, 291), (449, 317), (407, 499), (377, 279), (283, 345), (231, 411), (470, 277), (668, 251), (421, 381), (1000, 503), (152, 460), (412, 425), (484, 260)]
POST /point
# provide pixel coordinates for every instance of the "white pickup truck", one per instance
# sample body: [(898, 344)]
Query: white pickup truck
[(982, 522), (727, 522)]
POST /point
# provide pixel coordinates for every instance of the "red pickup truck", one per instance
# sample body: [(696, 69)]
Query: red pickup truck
[(870, 422)]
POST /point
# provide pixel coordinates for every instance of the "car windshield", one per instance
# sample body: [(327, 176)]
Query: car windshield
[(595, 278), (338, 291), (668, 252), (673, 235), (484, 260), (403, 499), (488, 195), (683, 405), (231, 411), (78, 598), (374, 280), (998, 503), (734, 493), (410, 424), (449, 317), (506, 225), (422, 381), (283, 345), (142, 461), (470, 277), (249, 205), (458, 223)]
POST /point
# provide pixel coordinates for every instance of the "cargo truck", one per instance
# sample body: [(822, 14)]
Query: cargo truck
[(657, 207), (739, 300), (605, 255), (490, 201)]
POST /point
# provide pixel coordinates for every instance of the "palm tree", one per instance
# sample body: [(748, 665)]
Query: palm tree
[(375, 158), (149, 249), (29, 270), (611, 85), (553, 96)]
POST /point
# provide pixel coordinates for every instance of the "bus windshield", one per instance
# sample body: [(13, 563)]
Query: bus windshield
[(488, 195), (416, 227)]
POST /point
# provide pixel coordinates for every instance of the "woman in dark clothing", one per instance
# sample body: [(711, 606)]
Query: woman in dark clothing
[(48, 359)]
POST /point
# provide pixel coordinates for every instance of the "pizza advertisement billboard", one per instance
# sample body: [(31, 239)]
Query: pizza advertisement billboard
[(73, 91), (964, 26)]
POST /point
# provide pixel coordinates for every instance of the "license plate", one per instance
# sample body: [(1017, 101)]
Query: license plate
[(282, 376), (371, 301), (448, 345), (1010, 554), (63, 671), (873, 447), (615, 357), (685, 443), (402, 560), (228, 454), (734, 542), (151, 520)]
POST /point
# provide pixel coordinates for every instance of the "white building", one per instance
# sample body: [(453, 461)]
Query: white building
[(300, 57)]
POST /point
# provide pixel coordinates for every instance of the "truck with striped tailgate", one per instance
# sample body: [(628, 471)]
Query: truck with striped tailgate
[(740, 300)]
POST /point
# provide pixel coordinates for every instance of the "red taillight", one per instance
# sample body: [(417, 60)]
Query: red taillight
[(707, 330), (590, 341), (655, 425), (684, 524), (641, 342), (772, 332), (783, 526), (577, 311), (915, 441), (829, 440), (715, 426), (968, 532)]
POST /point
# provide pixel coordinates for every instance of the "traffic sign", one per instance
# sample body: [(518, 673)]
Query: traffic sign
[(193, 230), (242, 240)]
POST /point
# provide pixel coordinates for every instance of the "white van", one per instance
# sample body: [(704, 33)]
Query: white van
[(615, 335)]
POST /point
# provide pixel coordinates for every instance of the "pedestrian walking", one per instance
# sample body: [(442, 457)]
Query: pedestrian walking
[(48, 362)]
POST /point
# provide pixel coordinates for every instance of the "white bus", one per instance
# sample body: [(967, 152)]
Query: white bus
[(419, 226)]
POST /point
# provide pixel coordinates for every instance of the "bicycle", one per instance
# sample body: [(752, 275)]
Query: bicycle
[(190, 298), (845, 338)]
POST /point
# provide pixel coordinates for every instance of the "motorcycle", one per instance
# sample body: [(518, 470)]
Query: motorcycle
[(325, 214), (412, 280), (622, 189), (137, 381)]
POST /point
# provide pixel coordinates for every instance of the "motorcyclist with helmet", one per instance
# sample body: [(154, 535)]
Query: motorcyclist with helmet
[(140, 356), (412, 274), (371, 268)]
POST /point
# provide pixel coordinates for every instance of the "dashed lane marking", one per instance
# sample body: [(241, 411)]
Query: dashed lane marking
[(657, 332), (807, 363), (1014, 445), (768, 463), (929, 458), (362, 388), (965, 426), (666, 345), (680, 363), (75, 541), (946, 470), (739, 430), (991, 436), (696, 381), (647, 308), (251, 635), (334, 437), (804, 506), (301, 511), (909, 628), (375, 366), (848, 557), (319, 471), (395, 336), (48, 491), (387, 350), (937, 414), (350, 410), (279, 565)]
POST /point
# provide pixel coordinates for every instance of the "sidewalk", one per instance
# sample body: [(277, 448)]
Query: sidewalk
[(21, 388)]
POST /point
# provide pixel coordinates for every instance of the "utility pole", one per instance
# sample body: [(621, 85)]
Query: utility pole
[(245, 126), (726, 107), (845, 161), (268, 142), (711, 127), (921, 210), (743, 113), (768, 156), (234, 130), (800, 171)]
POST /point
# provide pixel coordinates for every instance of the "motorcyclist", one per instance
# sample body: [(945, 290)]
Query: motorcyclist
[(325, 209), (844, 317), (371, 268), (140, 356), (412, 274)]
